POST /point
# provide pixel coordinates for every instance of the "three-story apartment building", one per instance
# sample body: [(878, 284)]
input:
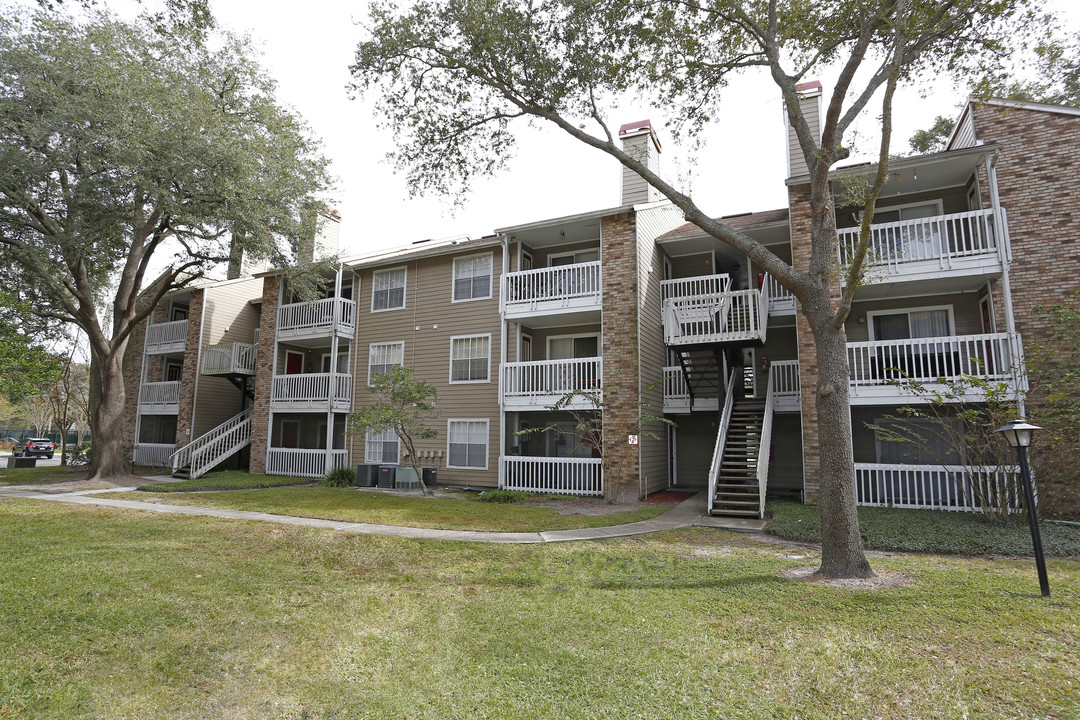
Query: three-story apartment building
[(626, 311)]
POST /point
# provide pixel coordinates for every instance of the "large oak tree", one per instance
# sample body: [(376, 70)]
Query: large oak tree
[(130, 159), (452, 75)]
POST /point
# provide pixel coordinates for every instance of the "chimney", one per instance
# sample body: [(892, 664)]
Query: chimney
[(327, 237), (639, 142), (810, 104)]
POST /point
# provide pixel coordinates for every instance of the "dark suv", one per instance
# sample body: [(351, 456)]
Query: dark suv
[(34, 446)]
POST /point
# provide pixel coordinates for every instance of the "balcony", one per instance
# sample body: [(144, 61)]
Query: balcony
[(159, 398), (923, 248), (168, 337), (878, 369), (704, 310), (563, 475), (785, 390), (559, 291), (540, 384), (297, 462), (321, 318), (937, 487), (229, 359), (311, 392), (152, 454)]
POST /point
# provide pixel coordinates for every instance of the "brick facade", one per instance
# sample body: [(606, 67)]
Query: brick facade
[(190, 369), (618, 253), (264, 374)]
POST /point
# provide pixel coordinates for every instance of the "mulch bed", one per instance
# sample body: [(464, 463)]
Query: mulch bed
[(669, 497)]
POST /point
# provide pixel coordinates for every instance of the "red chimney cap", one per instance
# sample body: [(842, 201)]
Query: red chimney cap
[(808, 89), (641, 127)]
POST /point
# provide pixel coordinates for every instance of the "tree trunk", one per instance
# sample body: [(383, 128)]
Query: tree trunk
[(108, 456), (842, 553)]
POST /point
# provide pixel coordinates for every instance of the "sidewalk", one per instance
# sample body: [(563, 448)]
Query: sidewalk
[(687, 513)]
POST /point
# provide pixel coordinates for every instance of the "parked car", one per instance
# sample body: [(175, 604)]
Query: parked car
[(35, 446)]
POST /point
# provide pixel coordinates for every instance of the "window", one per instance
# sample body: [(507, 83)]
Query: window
[(910, 323), (342, 363), (470, 358), (384, 357), (573, 258), (388, 289), (472, 278), (467, 444), (381, 447)]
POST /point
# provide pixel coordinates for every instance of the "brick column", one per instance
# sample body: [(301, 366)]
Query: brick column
[(799, 219), (264, 371), (618, 253), (190, 369)]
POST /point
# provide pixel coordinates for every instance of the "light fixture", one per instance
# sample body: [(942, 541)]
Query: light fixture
[(1018, 432)]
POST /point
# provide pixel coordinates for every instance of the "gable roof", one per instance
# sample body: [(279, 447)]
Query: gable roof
[(743, 221)]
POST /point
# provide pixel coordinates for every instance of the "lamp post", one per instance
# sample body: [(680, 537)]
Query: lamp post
[(1019, 433)]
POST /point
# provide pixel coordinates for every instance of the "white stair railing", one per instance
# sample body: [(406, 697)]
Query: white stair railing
[(721, 437), (763, 308), (715, 317), (698, 285), (206, 451), (228, 359), (784, 383), (764, 445)]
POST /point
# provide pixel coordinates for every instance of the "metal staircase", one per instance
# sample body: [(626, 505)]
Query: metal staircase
[(739, 474), (209, 450)]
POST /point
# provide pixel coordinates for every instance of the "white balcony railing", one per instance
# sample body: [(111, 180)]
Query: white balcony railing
[(938, 487), (322, 317), (539, 384), (716, 317), (785, 389), (166, 337), (698, 285), (559, 289), (229, 359), (311, 392), (781, 301), (159, 397), (879, 367), (944, 242), (677, 395), (563, 475), (304, 463), (152, 454)]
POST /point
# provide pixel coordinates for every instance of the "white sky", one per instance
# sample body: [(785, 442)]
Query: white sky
[(308, 47)]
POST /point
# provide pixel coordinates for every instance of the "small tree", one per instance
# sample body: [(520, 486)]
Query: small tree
[(588, 421), (405, 404)]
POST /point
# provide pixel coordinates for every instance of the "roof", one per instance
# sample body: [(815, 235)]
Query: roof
[(743, 221), (420, 249)]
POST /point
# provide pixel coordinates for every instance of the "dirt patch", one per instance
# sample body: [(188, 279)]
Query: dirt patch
[(669, 497), (884, 579)]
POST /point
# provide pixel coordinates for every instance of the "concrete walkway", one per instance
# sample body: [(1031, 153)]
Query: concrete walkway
[(689, 512)]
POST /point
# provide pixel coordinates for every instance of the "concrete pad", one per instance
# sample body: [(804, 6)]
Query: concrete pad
[(744, 525)]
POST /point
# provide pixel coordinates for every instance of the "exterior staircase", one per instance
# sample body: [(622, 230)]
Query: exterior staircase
[(737, 491), (701, 369), (207, 451)]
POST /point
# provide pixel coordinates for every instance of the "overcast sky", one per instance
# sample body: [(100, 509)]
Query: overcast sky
[(308, 47)]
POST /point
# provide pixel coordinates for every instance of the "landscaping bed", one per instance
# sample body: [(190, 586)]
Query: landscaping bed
[(927, 531)]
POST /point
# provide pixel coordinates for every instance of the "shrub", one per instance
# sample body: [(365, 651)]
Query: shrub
[(340, 477), (78, 454), (503, 496)]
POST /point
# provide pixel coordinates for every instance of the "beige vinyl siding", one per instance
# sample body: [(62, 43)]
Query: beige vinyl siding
[(966, 316), (965, 134), (695, 438), (785, 463), (427, 350), (811, 108), (228, 316), (685, 266), (652, 354)]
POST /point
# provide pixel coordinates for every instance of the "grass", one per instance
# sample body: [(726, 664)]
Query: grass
[(410, 511), (118, 614), (36, 475), (226, 480), (928, 531)]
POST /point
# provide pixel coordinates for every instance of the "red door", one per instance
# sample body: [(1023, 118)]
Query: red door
[(294, 363)]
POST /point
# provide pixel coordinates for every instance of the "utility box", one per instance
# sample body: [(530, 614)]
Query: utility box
[(367, 475), (431, 476), (406, 479), (387, 474), (21, 462)]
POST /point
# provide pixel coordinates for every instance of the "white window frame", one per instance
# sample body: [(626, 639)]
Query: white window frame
[(599, 345), (371, 350), (871, 314), (469, 337), (333, 367), (487, 443), (575, 253), (370, 438), (491, 278), (404, 288)]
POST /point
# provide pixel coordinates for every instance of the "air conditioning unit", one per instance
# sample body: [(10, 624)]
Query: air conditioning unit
[(367, 475), (386, 476)]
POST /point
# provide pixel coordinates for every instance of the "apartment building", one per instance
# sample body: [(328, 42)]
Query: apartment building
[(636, 313)]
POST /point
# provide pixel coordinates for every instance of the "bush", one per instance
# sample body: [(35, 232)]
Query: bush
[(78, 454), (503, 496), (340, 477)]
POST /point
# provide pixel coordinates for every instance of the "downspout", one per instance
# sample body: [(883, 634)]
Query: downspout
[(1005, 254), (502, 362)]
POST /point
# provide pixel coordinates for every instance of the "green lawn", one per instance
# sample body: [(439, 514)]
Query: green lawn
[(227, 480), (117, 614), (410, 511), (928, 531), (36, 475)]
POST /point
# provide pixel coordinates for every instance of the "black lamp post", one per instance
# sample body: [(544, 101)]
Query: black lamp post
[(1019, 433)]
